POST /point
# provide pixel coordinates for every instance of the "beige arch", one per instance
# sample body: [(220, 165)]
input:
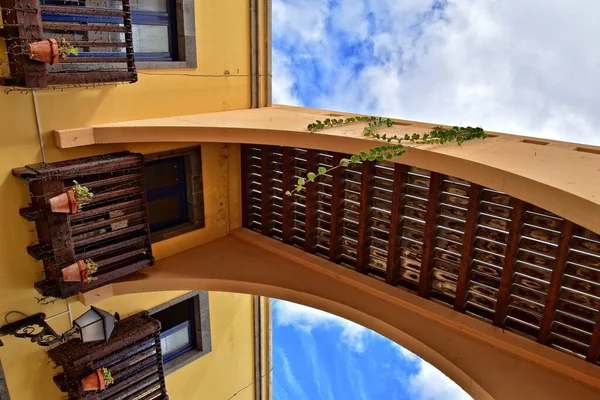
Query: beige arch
[(563, 178), (485, 361)]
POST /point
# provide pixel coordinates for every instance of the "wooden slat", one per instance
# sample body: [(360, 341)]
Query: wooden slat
[(560, 263), (112, 194), (66, 26), (509, 262), (246, 174), (65, 78), (97, 43), (594, 349), (433, 202), (396, 218), (109, 235), (288, 182), (70, 10), (107, 222), (364, 217), (337, 209), (266, 187), (310, 238), (464, 269), (79, 60), (101, 210)]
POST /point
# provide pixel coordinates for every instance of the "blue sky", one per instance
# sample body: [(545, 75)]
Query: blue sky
[(518, 66), (317, 356)]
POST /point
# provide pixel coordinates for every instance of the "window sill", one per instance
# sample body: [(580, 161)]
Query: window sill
[(157, 65), (183, 360)]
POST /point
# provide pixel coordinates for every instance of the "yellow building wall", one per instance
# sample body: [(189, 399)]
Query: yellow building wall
[(223, 43)]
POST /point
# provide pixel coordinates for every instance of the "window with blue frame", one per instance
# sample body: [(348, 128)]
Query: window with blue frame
[(177, 329), (174, 192), (185, 329), (166, 193), (154, 28)]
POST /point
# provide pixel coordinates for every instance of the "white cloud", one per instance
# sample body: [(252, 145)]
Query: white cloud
[(290, 378), (430, 384), (283, 91), (307, 319), (507, 65)]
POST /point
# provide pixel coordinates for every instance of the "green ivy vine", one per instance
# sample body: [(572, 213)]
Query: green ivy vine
[(395, 144)]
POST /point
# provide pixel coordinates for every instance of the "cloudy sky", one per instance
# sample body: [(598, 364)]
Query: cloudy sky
[(520, 66)]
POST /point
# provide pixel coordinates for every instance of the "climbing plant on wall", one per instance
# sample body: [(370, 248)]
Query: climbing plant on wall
[(392, 145)]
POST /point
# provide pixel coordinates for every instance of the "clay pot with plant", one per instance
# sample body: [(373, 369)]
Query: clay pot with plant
[(98, 380), (51, 51), (81, 271), (71, 201)]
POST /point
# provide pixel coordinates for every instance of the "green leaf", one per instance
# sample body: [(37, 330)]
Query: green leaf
[(311, 176), (363, 155), (355, 158), (321, 170), (301, 182)]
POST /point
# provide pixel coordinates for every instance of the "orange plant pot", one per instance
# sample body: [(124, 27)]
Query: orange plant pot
[(45, 51), (75, 272), (64, 203), (93, 381)]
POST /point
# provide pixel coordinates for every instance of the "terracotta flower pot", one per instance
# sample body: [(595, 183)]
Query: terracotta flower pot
[(75, 272), (64, 203), (45, 51), (93, 381)]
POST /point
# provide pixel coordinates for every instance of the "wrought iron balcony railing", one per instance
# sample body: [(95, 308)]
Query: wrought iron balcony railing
[(111, 230), (132, 355), (94, 44)]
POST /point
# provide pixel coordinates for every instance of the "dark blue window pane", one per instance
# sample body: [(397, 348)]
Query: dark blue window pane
[(166, 193)]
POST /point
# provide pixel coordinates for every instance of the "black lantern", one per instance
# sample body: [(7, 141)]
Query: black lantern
[(95, 325)]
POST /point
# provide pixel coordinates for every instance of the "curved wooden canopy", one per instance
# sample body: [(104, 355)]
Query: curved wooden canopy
[(563, 178)]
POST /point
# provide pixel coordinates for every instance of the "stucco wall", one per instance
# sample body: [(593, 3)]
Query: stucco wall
[(222, 44)]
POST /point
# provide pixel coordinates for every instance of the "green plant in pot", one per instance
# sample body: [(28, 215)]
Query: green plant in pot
[(65, 49), (71, 201), (98, 380), (81, 271)]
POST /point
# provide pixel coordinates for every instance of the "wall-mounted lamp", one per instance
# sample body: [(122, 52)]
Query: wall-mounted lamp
[(94, 325)]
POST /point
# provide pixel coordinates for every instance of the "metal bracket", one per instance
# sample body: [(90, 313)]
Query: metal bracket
[(33, 327)]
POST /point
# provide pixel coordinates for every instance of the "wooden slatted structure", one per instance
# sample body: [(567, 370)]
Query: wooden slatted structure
[(132, 354), (102, 35), (112, 230), (477, 250)]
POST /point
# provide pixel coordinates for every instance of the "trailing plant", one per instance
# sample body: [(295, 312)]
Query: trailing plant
[(395, 144), (91, 268), (65, 49), (108, 378), (83, 195)]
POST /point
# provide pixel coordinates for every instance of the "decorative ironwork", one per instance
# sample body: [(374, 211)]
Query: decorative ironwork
[(34, 328)]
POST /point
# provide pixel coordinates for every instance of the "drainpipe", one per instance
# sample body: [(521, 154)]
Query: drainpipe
[(254, 51), (258, 386), (269, 18)]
